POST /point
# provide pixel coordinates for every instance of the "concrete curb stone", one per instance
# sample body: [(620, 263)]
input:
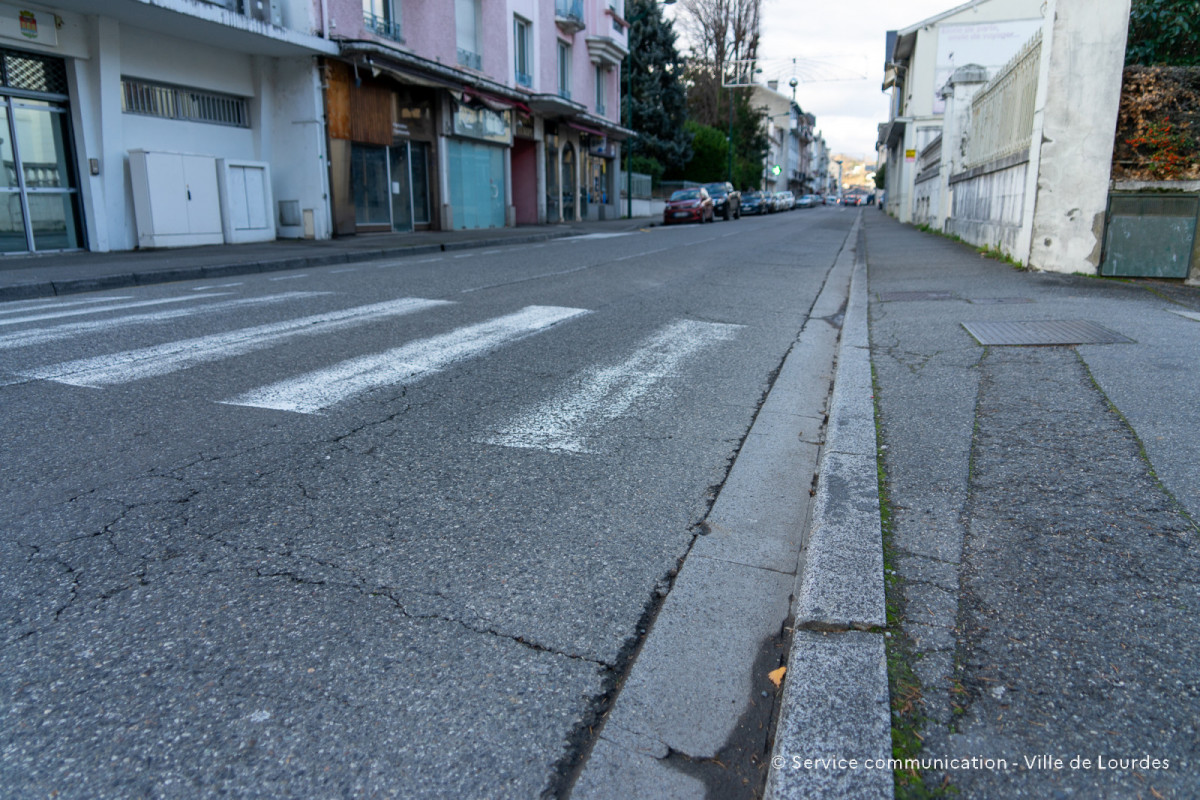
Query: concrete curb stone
[(54, 288), (835, 697)]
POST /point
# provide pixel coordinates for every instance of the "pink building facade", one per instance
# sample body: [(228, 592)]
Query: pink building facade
[(472, 113)]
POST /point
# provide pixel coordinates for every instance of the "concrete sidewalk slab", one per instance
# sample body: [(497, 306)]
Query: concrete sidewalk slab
[(1043, 525)]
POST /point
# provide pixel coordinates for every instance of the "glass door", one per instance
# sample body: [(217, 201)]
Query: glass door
[(39, 200), (369, 185), (568, 182), (418, 159), (402, 201)]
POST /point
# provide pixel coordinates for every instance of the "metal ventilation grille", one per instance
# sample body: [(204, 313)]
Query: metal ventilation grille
[(34, 73), (175, 102)]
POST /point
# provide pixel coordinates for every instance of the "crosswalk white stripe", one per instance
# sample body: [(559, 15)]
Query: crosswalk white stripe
[(115, 307), (71, 329), (162, 359), (25, 306), (321, 389), (601, 395)]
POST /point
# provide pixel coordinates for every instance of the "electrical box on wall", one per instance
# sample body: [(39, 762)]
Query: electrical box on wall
[(175, 199), (247, 208)]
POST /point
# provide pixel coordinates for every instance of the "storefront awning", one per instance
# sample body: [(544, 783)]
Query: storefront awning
[(551, 105), (586, 129), (490, 101)]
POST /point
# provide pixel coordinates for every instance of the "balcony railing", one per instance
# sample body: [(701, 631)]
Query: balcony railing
[(525, 79), (384, 27), (469, 59), (568, 15), (600, 109), (564, 93), (268, 11)]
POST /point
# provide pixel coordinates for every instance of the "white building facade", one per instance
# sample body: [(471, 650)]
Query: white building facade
[(920, 60), (1021, 159), (222, 97)]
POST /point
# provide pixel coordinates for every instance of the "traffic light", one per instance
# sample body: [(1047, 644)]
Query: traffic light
[(776, 169)]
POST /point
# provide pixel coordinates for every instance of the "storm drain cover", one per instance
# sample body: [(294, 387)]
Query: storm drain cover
[(889, 297), (988, 301), (1042, 332)]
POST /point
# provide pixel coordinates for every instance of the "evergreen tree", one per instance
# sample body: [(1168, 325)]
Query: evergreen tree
[(1164, 32), (710, 154), (657, 96)]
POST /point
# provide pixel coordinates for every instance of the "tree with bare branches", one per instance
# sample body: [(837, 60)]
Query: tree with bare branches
[(719, 32), (722, 34)]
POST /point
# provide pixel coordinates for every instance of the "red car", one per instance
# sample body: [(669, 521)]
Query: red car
[(689, 205)]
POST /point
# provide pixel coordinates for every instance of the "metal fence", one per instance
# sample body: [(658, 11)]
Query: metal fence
[(665, 188), (641, 185), (1002, 112)]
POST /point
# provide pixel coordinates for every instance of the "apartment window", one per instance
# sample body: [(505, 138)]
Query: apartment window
[(178, 102), (466, 25), (601, 89), (564, 70), (618, 10), (521, 51), (383, 17)]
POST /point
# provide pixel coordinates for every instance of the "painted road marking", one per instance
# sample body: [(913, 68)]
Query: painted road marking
[(323, 388), (115, 307), (289, 277), (71, 329), (166, 358), (595, 236), (568, 422), (24, 306)]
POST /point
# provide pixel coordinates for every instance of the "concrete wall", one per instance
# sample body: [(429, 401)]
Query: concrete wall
[(922, 79), (1082, 95), (293, 141), (988, 207), (928, 187)]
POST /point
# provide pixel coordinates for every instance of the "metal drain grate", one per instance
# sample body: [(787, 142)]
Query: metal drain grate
[(1043, 332), (893, 297), (990, 301)]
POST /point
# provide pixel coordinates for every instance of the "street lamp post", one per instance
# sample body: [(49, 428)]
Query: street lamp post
[(629, 122)]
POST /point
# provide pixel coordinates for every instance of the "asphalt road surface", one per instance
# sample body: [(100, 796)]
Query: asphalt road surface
[(384, 529)]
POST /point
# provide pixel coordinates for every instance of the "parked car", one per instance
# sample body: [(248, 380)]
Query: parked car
[(727, 201), (807, 201), (689, 205), (787, 201), (756, 202)]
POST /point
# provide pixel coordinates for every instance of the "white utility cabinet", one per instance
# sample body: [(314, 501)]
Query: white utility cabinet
[(175, 199), (245, 200)]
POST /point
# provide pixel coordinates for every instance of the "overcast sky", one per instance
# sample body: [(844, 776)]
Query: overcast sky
[(842, 40)]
